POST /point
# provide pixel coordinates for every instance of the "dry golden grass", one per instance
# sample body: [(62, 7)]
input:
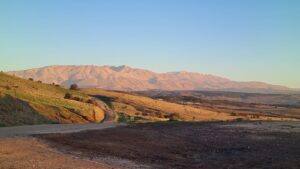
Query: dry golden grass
[(133, 105), (20, 96)]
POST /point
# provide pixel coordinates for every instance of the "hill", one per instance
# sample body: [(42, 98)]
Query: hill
[(130, 79), (32, 102), (133, 107), (259, 98), (249, 104)]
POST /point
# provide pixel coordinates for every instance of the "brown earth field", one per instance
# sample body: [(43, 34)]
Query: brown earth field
[(207, 145), (30, 153)]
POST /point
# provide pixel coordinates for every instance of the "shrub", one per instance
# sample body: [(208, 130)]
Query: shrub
[(77, 98), (158, 114), (7, 87), (233, 114), (90, 101), (173, 117), (39, 81), (31, 79), (74, 86), (254, 116), (68, 96), (239, 119), (166, 116)]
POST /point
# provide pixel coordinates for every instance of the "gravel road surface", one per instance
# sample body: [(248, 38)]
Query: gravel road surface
[(53, 128)]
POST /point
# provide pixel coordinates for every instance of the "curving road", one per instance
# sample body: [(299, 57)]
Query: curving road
[(62, 128), (54, 128)]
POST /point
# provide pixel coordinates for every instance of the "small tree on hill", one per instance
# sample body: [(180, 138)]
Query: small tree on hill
[(74, 86), (68, 96)]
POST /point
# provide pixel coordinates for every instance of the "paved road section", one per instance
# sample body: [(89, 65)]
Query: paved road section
[(53, 128)]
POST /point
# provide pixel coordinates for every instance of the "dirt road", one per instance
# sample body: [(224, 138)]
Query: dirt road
[(53, 128), (17, 150)]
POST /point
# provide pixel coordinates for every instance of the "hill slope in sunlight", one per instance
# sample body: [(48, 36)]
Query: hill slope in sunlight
[(140, 107), (130, 79), (30, 102)]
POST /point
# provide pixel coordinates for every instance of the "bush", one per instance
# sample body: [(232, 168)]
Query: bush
[(254, 116), (90, 101), (233, 114), (77, 99), (39, 81), (239, 119), (74, 87), (7, 87), (31, 79), (173, 117), (68, 96)]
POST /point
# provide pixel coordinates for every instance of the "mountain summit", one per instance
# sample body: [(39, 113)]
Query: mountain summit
[(127, 79)]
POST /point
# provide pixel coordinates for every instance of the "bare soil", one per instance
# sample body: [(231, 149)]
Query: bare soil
[(217, 145), (29, 153)]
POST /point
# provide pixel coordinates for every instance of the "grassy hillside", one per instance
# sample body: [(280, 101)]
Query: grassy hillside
[(29, 102), (146, 108), (135, 107)]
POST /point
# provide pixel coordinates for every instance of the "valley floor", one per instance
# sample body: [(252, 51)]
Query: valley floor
[(207, 145), (211, 145)]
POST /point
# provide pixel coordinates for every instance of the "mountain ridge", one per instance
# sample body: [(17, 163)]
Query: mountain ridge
[(125, 78)]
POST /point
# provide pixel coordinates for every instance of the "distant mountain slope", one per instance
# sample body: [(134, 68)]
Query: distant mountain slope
[(31, 102), (128, 79)]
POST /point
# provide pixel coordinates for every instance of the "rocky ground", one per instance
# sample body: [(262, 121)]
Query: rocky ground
[(230, 145)]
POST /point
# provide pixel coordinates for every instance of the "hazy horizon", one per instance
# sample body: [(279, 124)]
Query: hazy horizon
[(241, 41)]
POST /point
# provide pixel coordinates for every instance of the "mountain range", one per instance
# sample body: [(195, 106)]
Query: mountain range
[(125, 78)]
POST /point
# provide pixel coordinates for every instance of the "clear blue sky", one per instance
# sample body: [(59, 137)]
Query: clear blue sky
[(242, 40)]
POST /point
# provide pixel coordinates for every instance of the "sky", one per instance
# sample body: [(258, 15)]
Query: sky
[(248, 40)]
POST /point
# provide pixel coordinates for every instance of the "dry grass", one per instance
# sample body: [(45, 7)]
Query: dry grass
[(20, 96), (137, 105)]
